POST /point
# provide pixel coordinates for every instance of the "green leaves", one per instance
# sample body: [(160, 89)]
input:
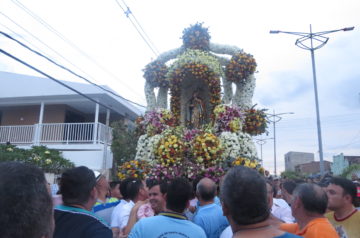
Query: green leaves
[(49, 160)]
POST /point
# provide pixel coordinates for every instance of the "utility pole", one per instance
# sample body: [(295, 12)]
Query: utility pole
[(317, 40)]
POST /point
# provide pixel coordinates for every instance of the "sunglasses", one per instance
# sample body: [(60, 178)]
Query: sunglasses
[(97, 175)]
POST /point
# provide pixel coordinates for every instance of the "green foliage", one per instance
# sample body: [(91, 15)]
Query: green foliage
[(350, 170), (291, 175), (49, 160), (124, 143)]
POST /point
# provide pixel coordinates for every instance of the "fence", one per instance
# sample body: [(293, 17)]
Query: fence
[(51, 133)]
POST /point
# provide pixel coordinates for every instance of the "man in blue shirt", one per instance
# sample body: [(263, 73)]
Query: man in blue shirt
[(171, 222), (209, 215)]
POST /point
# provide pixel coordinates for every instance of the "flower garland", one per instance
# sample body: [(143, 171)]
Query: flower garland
[(255, 121), (146, 147), (213, 173), (155, 74), (155, 122), (243, 161), (240, 67), (133, 169), (162, 173), (170, 151), (201, 66), (206, 149), (228, 118), (196, 37)]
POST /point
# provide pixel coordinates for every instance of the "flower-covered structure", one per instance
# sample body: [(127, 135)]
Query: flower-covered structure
[(208, 128)]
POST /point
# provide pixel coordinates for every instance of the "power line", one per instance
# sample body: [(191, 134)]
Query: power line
[(128, 12), (70, 71), (142, 29), (35, 37), (73, 45), (52, 78)]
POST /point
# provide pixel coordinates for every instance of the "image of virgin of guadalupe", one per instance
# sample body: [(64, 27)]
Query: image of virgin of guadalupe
[(196, 111)]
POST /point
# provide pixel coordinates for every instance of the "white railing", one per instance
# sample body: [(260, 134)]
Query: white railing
[(20, 134), (50, 133)]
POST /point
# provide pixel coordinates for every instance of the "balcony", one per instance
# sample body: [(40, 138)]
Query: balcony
[(56, 133)]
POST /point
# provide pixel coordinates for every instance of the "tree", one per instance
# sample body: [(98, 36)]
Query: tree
[(124, 143), (291, 175), (49, 160), (354, 168)]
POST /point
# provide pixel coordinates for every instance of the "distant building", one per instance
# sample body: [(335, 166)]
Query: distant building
[(312, 167), (341, 162), (294, 158)]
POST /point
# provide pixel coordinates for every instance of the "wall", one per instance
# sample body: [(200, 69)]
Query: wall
[(54, 114), (20, 115), (29, 115), (313, 167), (292, 159)]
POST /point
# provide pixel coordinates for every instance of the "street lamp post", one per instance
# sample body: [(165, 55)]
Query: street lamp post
[(320, 40), (261, 142), (276, 118)]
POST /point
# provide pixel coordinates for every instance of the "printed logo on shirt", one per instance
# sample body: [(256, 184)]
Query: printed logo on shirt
[(173, 234), (341, 232)]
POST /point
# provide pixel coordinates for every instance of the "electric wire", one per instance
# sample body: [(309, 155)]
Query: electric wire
[(64, 68), (142, 29), (47, 46), (73, 45), (52, 78), (127, 13)]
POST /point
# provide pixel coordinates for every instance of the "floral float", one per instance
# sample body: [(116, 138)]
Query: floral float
[(171, 142)]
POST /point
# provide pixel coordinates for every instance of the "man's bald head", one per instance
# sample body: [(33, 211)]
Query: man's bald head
[(206, 189), (313, 197)]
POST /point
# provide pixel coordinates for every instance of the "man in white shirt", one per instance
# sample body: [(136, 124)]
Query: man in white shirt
[(133, 190)]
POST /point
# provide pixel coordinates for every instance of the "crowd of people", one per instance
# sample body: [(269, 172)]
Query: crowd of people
[(244, 204)]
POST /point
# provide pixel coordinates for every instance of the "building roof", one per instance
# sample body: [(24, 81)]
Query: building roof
[(19, 89)]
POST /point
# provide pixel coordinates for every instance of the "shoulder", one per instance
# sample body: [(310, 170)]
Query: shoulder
[(287, 235), (289, 227), (77, 222), (77, 215), (321, 227)]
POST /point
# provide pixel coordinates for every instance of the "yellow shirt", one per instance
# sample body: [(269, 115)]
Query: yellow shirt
[(348, 227)]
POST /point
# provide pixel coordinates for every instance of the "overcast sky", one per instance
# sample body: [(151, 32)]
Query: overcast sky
[(114, 54)]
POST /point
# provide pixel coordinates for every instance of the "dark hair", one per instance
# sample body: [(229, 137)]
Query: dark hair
[(150, 183), (178, 195), (133, 187), (25, 202), (348, 186), (312, 196), (114, 183), (76, 185), (289, 186), (123, 187), (244, 193), (206, 193)]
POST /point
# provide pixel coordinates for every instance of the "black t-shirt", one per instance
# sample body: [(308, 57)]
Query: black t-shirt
[(78, 223)]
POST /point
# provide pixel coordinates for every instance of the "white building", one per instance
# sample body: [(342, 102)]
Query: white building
[(39, 111)]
